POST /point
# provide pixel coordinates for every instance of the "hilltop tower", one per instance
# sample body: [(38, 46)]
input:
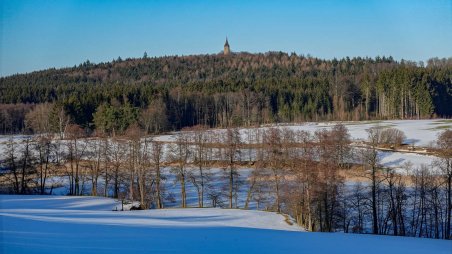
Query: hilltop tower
[(227, 50)]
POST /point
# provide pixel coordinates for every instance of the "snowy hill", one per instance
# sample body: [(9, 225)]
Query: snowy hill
[(418, 132), (55, 224)]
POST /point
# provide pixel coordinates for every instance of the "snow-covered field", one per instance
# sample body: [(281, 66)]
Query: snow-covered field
[(420, 132), (398, 160), (51, 224)]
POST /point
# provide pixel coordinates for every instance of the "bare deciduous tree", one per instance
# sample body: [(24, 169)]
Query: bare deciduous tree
[(445, 164), (180, 154), (76, 151), (231, 142), (371, 164), (156, 159)]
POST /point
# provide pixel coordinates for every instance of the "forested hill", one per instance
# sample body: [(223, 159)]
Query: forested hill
[(239, 89)]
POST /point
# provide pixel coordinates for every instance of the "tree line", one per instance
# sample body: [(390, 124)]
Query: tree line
[(318, 178), (224, 91)]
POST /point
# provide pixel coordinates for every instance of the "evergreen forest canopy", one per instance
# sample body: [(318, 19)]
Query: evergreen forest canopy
[(243, 89)]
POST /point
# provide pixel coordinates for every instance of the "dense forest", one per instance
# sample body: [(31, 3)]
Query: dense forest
[(242, 89)]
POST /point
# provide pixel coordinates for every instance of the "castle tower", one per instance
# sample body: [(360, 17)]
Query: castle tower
[(227, 50)]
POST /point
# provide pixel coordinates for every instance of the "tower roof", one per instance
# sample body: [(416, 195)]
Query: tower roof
[(226, 44)]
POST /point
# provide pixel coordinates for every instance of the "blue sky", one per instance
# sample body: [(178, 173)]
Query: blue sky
[(42, 34)]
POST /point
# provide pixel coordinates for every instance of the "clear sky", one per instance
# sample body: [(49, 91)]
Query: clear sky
[(42, 34)]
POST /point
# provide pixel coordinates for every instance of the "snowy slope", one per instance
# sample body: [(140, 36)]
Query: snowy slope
[(397, 160), (419, 132), (40, 224)]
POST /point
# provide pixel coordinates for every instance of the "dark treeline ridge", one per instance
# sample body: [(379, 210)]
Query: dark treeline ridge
[(241, 89)]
